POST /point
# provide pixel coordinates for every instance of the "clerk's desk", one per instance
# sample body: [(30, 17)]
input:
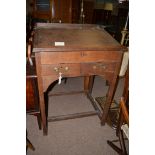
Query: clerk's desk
[(75, 50)]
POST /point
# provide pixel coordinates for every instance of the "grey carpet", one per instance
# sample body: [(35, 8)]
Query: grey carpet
[(81, 136)]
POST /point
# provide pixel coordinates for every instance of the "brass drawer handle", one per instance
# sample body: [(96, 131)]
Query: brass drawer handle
[(56, 69), (60, 69), (66, 68), (99, 65)]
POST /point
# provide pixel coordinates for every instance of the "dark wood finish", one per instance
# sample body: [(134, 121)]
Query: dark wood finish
[(86, 84), (41, 94), (40, 12), (66, 93), (123, 118), (32, 96), (124, 115), (94, 105), (101, 16), (126, 85), (62, 11), (126, 98), (90, 84), (71, 116), (75, 11), (88, 7), (90, 46), (114, 19)]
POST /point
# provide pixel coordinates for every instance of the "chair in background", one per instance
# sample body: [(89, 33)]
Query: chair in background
[(123, 120), (32, 95), (123, 129), (112, 118)]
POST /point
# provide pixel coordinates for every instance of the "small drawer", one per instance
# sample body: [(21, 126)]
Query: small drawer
[(97, 68), (65, 69)]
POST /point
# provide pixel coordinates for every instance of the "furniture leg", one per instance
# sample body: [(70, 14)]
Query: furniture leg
[(88, 84), (41, 95), (65, 80), (109, 99), (91, 82), (119, 132), (120, 119), (43, 114)]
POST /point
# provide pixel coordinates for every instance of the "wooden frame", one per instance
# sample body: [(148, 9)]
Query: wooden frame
[(100, 55)]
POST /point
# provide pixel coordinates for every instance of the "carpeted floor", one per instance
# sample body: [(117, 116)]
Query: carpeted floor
[(81, 136)]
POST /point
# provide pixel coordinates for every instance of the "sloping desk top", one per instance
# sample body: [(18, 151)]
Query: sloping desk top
[(74, 36)]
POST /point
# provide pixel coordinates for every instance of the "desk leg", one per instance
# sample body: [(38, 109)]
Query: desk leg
[(88, 84), (110, 96), (41, 93), (43, 113)]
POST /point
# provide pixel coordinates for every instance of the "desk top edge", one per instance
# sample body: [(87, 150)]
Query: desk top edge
[(67, 26)]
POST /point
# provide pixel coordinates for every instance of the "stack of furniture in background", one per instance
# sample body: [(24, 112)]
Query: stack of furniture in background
[(62, 11), (122, 130), (112, 15), (109, 13), (32, 96)]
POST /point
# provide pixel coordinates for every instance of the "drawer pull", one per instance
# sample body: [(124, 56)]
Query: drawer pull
[(60, 69), (66, 68), (56, 69), (99, 65)]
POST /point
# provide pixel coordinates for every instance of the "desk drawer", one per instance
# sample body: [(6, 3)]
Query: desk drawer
[(80, 56), (66, 69), (97, 68)]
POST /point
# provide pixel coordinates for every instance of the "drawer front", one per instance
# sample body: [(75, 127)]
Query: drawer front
[(80, 56), (97, 68), (65, 69)]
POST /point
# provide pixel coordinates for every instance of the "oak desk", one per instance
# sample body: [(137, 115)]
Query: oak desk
[(72, 50)]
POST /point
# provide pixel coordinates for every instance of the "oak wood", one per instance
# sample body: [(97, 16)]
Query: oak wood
[(86, 84), (61, 11), (75, 36), (41, 94), (72, 116), (65, 69), (66, 93), (32, 96), (88, 50), (123, 118), (41, 14)]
